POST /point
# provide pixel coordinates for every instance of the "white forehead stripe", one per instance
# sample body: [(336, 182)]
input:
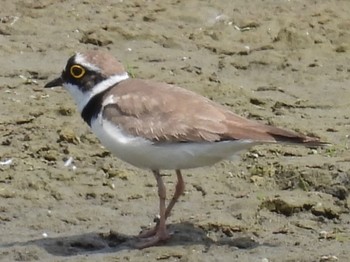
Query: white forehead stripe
[(80, 59)]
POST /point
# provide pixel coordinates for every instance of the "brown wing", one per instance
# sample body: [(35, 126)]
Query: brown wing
[(162, 112)]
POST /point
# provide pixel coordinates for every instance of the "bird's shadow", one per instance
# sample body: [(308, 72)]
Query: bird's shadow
[(90, 243)]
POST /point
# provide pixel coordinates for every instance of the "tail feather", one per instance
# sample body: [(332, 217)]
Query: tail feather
[(242, 128), (266, 133), (286, 136)]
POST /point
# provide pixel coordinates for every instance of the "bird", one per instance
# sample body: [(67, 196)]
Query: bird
[(159, 126)]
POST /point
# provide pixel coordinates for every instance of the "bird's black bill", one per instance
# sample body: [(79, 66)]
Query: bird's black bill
[(56, 82)]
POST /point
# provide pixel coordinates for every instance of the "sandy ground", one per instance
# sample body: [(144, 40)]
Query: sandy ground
[(282, 62)]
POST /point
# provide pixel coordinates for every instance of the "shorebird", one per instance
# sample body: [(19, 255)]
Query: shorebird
[(158, 126)]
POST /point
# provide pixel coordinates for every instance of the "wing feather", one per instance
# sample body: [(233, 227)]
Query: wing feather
[(166, 113)]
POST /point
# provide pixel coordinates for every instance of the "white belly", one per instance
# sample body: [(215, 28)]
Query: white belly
[(143, 153)]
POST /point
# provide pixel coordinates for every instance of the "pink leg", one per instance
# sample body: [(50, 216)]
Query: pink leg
[(159, 233), (179, 189)]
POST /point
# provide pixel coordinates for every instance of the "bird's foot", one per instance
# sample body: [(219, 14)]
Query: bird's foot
[(150, 232), (152, 237), (147, 233)]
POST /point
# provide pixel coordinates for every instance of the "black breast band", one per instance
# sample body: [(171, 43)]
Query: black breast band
[(93, 107)]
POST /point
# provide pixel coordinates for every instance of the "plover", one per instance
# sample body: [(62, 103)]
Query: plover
[(158, 126)]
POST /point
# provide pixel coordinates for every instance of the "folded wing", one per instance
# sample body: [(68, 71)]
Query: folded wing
[(166, 113)]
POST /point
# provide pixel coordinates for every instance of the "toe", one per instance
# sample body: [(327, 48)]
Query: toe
[(148, 233), (159, 237)]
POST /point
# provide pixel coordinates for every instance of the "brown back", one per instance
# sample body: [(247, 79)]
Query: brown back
[(167, 113)]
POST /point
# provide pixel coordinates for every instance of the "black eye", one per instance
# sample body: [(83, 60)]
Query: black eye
[(77, 71)]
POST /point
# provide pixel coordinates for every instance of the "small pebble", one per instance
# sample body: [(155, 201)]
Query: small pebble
[(6, 162)]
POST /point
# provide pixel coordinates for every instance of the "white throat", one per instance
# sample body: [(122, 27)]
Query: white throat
[(82, 97)]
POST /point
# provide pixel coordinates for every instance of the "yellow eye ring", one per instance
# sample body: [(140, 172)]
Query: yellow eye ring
[(77, 71)]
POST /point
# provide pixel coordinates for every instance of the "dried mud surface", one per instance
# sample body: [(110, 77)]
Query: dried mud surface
[(282, 62)]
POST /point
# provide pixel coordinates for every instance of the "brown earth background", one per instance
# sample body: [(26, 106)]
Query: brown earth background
[(282, 62)]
